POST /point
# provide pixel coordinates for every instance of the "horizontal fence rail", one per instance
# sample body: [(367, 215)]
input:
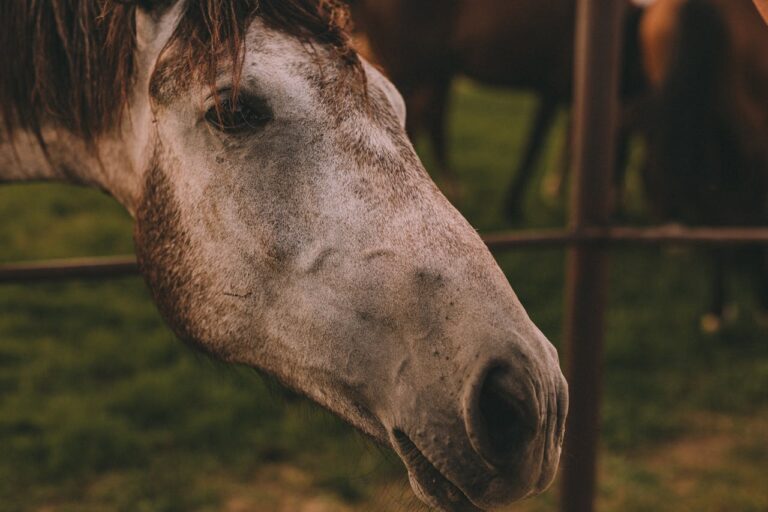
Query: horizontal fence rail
[(76, 268), (671, 234), (119, 266)]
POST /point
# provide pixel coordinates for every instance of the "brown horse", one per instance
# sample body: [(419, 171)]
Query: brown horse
[(522, 44), (706, 120)]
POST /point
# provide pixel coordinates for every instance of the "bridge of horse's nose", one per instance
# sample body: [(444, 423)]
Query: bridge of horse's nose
[(501, 415)]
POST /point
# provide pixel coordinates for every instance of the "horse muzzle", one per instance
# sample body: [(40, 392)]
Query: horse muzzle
[(501, 444)]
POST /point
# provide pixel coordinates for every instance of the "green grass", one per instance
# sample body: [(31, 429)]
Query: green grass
[(102, 409)]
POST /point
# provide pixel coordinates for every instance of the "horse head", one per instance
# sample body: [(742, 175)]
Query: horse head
[(284, 221)]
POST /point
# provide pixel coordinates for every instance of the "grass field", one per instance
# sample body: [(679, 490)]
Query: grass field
[(101, 409)]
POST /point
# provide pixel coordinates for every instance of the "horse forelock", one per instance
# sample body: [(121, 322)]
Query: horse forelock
[(71, 62)]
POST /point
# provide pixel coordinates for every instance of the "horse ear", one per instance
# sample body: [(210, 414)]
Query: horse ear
[(155, 22)]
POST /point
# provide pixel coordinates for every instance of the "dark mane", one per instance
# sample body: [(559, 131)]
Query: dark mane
[(70, 62)]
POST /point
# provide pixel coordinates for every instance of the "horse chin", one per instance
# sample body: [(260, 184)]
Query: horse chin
[(444, 495), (427, 482)]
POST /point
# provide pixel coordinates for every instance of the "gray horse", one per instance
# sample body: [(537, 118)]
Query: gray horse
[(283, 221)]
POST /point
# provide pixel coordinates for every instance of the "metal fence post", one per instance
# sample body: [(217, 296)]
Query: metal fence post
[(598, 43)]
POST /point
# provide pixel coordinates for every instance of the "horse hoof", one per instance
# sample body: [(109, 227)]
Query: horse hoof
[(711, 323)]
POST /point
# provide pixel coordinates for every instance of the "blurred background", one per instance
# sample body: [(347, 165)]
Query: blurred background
[(101, 409)]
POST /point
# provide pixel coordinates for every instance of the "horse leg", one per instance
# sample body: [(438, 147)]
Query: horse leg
[(545, 115), (620, 171), (712, 321), (414, 98), (553, 186), (436, 122)]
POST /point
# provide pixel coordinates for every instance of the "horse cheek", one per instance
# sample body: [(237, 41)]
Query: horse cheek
[(167, 260)]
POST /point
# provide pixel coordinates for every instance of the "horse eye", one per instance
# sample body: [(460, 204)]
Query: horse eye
[(237, 116)]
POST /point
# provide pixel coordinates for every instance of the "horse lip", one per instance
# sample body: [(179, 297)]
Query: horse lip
[(445, 495)]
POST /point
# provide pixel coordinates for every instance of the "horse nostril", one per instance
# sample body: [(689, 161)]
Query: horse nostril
[(500, 418)]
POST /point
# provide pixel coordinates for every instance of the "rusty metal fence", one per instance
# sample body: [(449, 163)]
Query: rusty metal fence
[(588, 238), (120, 266)]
